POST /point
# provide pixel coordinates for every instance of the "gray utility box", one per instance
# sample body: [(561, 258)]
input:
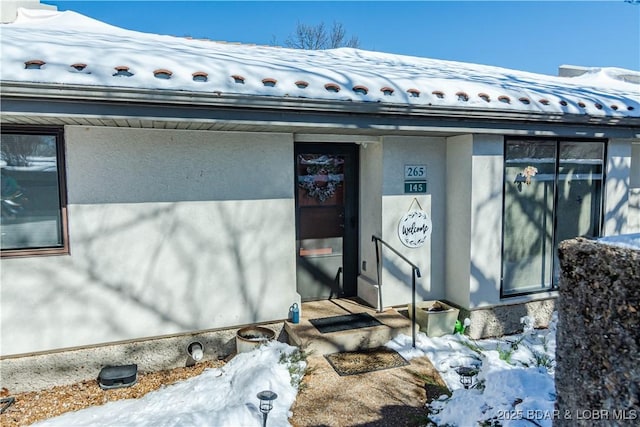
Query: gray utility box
[(118, 376)]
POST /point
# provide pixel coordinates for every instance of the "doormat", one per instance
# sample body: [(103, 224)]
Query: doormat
[(344, 323), (363, 361)]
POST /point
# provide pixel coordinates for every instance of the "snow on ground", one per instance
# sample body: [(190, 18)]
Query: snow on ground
[(515, 380), (516, 377), (218, 397)]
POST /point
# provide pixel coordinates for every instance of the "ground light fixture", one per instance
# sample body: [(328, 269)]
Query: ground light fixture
[(195, 350), (467, 375), (266, 404)]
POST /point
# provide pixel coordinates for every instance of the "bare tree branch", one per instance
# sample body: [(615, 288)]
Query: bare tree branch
[(337, 35), (314, 37)]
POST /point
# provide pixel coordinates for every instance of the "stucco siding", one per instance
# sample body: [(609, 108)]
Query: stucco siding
[(170, 231), (458, 224), (116, 165), (370, 219), (634, 190), (486, 222), (616, 199), (396, 275)]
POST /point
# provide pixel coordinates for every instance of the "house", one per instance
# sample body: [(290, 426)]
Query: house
[(157, 185)]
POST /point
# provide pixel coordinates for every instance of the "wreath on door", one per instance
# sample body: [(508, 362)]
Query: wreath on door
[(323, 177)]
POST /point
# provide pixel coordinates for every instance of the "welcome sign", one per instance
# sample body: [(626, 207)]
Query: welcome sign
[(414, 228)]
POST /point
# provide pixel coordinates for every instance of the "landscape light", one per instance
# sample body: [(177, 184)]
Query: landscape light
[(266, 404), (466, 376)]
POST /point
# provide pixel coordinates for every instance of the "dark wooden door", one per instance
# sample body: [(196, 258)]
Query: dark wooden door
[(326, 220)]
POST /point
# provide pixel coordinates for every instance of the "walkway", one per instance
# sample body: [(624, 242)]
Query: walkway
[(392, 397)]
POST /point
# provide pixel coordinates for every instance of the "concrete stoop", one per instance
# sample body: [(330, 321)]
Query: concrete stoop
[(307, 337)]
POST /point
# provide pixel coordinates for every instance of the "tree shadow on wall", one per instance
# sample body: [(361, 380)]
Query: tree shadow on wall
[(538, 216), (176, 277)]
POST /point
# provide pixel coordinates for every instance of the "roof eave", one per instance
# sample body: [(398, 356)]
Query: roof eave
[(236, 101), (58, 104)]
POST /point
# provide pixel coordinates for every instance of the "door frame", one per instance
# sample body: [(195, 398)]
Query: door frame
[(351, 236)]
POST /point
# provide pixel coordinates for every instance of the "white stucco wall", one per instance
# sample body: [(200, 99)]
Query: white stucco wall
[(175, 231), (458, 243), (634, 189), (370, 219), (617, 187), (634, 177), (170, 231), (396, 274), (486, 219), (474, 215)]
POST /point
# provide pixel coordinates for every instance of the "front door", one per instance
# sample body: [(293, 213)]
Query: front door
[(326, 220)]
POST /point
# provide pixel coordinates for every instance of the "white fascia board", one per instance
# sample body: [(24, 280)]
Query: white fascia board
[(492, 120), (88, 93)]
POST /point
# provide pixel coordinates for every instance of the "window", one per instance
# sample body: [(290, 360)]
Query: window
[(552, 192), (33, 217)]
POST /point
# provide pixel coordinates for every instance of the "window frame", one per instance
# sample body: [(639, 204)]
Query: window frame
[(63, 249), (600, 219)]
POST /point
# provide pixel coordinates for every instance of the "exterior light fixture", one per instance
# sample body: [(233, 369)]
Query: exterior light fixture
[(195, 350), (266, 404), (467, 375)]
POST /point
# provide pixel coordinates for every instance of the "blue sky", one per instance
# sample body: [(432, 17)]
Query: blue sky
[(535, 36)]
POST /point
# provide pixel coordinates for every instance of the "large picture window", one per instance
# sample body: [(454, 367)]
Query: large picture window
[(552, 192), (33, 196)]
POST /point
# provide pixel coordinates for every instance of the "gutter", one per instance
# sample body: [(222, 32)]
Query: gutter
[(236, 101), (46, 104)]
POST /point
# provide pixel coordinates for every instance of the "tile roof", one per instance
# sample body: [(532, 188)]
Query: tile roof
[(67, 48)]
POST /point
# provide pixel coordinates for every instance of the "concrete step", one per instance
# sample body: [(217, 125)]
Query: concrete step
[(307, 336)]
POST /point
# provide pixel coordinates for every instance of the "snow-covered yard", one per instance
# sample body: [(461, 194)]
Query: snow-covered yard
[(515, 382)]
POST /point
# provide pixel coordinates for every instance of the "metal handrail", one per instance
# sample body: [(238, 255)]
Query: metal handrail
[(415, 272)]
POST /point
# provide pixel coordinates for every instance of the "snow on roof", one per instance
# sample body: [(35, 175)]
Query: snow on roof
[(53, 47)]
